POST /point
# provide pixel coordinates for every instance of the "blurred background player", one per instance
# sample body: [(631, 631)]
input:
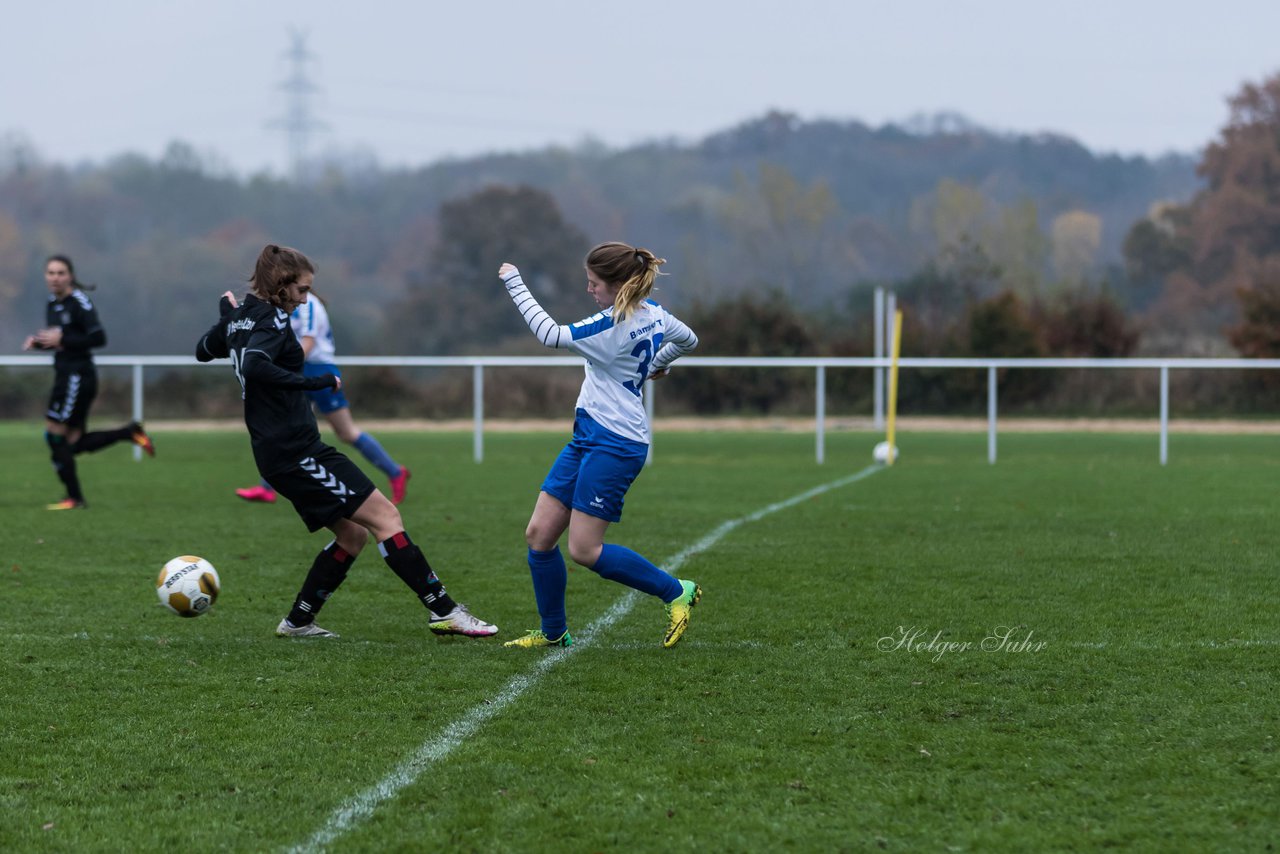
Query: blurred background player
[(326, 488), (310, 323), (632, 339), (71, 330)]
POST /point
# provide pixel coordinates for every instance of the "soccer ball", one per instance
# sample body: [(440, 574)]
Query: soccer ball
[(881, 452), (188, 585)]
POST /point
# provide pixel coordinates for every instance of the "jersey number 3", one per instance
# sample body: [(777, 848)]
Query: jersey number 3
[(644, 350)]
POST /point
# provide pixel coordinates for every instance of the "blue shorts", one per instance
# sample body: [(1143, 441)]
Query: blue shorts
[(595, 470), (326, 399)]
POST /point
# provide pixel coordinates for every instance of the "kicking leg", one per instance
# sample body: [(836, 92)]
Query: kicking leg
[(406, 560), (620, 564)]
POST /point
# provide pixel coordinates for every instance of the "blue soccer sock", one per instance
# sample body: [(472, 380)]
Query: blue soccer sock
[(624, 566), (549, 581), (374, 453)]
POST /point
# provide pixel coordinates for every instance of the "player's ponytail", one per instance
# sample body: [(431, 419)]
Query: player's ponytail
[(634, 270), (278, 267)]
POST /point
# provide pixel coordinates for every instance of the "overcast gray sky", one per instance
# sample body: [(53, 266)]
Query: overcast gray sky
[(415, 81)]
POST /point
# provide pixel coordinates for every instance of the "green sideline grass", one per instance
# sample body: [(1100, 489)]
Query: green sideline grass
[(1142, 710)]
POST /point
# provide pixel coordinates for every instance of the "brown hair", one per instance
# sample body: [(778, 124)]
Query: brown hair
[(71, 268), (278, 267), (633, 269)]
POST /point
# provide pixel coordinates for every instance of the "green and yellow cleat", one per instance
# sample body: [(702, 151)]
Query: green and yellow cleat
[(678, 612), (536, 638)]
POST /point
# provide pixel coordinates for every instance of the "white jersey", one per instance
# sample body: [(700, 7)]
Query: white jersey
[(311, 319), (620, 357)]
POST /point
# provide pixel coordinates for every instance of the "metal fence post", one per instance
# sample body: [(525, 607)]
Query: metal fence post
[(821, 414), (1164, 414), (991, 414), (648, 412), (890, 309), (477, 391), (877, 350), (137, 404)]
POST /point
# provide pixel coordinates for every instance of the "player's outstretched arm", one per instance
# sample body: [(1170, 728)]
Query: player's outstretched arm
[(541, 324)]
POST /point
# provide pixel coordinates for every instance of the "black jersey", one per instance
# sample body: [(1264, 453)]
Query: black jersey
[(81, 329), (267, 359)]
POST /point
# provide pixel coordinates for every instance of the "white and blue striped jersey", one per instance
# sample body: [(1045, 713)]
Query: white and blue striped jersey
[(312, 319), (620, 357)]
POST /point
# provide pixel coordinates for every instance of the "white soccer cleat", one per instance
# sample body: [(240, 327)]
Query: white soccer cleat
[(460, 621), (310, 630)]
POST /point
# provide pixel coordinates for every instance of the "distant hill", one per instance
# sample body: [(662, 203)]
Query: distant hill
[(874, 173), (809, 207)]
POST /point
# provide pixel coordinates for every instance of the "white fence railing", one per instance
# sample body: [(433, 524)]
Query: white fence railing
[(477, 364)]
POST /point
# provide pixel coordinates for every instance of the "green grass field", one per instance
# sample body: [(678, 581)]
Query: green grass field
[(839, 688)]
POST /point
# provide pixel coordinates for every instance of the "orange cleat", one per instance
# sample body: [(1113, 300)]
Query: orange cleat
[(67, 504), (140, 438)]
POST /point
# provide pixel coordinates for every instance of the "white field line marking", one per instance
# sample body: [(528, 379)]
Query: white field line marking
[(407, 772)]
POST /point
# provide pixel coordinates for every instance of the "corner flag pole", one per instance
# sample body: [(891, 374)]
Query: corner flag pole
[(893, 383)]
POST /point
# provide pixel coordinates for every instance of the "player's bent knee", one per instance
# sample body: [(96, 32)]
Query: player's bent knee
[(585, 554), (350, 537), (379, 516)]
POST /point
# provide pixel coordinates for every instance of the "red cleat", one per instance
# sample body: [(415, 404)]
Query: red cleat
[(398, 485), (140, 438), (257, 493)]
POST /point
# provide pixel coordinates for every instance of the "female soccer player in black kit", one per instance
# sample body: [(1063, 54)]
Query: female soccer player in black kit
[(71, 330), (327, 489)]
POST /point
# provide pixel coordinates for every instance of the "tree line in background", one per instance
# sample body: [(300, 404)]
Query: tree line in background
[(776, 231)]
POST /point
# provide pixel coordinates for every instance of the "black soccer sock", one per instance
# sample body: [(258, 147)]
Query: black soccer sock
[(64, 463), (407, 561), (96, 441), (327, 572)]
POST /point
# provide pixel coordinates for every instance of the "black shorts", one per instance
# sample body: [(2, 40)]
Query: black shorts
[(324, 487), (73, 393)]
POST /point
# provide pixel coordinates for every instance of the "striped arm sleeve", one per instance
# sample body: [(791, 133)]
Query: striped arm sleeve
[(544, 328), (678, 341)]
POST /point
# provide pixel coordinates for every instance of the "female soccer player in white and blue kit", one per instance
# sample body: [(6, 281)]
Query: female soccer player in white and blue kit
[(633, 339), (311, 325)]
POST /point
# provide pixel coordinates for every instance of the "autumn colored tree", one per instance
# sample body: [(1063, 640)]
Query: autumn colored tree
[(1258, 333), (958, 220), (1086, 323), (787, 236), (1221, 253), (1077, 237), (459, 304)]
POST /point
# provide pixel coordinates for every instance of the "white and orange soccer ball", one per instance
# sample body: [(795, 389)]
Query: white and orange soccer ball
[(188, 586)]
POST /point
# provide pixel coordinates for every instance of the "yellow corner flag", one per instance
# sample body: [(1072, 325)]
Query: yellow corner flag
[(896, 350)]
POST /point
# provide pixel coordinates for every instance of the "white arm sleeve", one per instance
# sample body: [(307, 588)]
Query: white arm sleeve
[(544, 328), (678, 340)]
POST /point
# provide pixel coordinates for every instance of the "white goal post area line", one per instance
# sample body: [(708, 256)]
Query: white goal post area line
[(819, 365), (363, 805)]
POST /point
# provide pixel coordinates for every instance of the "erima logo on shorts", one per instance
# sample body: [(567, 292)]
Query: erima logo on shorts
[(597, 502)]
